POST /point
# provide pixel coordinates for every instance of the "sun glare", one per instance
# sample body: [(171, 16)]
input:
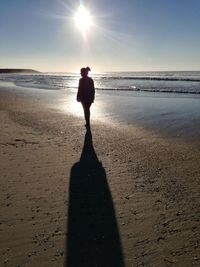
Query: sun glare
[(83, 19)]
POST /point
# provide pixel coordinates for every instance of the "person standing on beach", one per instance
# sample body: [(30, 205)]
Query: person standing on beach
[(86, 93)]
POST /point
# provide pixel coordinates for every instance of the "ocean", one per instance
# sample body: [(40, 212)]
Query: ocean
[(187, 82), (167, 103)]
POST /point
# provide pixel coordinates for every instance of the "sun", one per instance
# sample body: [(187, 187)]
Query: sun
[(83, 19)]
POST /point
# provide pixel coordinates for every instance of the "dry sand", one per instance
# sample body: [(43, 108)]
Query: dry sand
[(143, 210)]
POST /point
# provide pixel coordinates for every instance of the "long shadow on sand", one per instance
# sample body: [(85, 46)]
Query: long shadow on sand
[(92, 234)]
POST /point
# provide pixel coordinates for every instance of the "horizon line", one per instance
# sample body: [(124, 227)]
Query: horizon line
[(110, 71)]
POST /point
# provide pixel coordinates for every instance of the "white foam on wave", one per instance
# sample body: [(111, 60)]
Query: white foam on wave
[(168, 82)]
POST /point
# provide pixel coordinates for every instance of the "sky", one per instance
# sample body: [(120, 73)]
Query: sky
[(126, 35)]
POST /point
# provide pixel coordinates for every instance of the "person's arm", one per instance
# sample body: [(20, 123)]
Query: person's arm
[(79, 92), (93, 89)]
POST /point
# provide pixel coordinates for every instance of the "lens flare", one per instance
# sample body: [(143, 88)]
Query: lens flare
[(83, 19)]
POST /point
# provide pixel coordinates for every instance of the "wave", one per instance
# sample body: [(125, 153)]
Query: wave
[(155, 90), (150, 90), (49, 77), (152, 78), (128, 89), (47, 82)]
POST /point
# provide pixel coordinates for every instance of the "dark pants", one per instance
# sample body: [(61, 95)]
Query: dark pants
[(86, 108)]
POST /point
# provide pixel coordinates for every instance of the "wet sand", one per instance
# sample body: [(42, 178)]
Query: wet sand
[(118, 196)]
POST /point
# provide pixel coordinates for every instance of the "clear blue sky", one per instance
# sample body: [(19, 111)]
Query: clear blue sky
[(129, 35)]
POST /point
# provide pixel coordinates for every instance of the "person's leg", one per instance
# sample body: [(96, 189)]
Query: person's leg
[(86, 108)]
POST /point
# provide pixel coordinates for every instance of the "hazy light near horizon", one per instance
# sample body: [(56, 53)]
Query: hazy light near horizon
[(83, 20)]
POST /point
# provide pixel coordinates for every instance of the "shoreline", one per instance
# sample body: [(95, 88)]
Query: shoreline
[(171, 116), (153, 182)]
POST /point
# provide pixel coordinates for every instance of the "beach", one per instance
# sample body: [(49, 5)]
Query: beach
[(126, 193), (99, 133)]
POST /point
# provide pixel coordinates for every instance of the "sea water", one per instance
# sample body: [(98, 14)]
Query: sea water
[(171, 82), (165, 102)]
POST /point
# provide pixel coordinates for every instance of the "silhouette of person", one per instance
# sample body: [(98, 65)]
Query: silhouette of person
[(86, 93)]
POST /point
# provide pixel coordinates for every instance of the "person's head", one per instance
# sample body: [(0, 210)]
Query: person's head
[(84, 71)]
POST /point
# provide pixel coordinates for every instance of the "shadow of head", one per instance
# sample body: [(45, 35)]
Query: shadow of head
[(92, 235)]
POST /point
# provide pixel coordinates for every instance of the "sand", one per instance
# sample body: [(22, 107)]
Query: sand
[(116, 196)]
